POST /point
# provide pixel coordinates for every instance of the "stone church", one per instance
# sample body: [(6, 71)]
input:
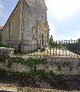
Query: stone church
[(27, 25)]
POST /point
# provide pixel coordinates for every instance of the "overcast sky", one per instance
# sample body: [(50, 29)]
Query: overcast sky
[(63, 17)]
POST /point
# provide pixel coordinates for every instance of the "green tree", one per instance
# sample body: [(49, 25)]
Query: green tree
[(51, 42), (78, 40), (78, 43), (78, 46)]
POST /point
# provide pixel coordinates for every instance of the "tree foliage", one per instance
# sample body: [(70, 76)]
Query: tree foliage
[(51, 42)]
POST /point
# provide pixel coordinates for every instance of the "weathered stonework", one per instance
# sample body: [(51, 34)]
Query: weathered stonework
[(35, 26), (28, 22), (71, 66), (6, 52)]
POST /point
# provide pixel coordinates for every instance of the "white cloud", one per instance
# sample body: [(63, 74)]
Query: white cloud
[(63, 9)]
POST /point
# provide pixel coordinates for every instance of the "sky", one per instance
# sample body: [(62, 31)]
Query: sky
[(63, 17)]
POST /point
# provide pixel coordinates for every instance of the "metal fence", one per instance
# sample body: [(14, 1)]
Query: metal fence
[(62, 48)]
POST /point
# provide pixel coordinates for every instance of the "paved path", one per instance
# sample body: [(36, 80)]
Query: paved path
[(12, 88), (8, 88)]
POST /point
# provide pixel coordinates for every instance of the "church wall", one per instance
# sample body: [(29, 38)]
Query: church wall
[(0, 35), (32, 14), (11, 29), (15, 25), (23, 25)]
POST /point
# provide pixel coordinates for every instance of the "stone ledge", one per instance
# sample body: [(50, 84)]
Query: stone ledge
[(6, 51)]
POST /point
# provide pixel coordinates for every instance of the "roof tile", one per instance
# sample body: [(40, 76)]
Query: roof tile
[(1, 27)]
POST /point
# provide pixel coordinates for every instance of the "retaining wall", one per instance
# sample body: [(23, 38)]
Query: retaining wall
[(53, 64)]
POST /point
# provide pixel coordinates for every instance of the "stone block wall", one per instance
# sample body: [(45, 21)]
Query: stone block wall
[(34, 12), (67, 66)]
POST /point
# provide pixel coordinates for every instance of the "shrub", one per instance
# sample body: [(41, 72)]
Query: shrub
[(33, 62)]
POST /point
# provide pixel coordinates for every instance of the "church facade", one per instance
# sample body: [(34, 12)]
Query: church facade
[(27, 25), (1, 33)]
